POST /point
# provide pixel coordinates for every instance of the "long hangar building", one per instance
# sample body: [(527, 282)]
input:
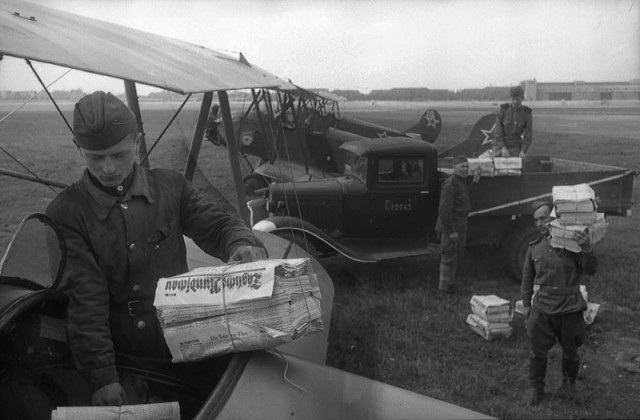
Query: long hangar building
[(581, 91)]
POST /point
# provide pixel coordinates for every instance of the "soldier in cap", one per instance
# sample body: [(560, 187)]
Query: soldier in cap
[(455, 203), (555, 314), (514, 127), (124, 226)]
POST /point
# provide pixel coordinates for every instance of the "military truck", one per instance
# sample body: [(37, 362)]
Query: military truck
[(385, 203)]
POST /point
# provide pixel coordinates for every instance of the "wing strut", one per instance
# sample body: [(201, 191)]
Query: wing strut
[(196, 142), (132, 100), (232, 149)]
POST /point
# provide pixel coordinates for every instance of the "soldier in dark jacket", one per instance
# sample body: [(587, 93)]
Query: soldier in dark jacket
[(514, 127), (556, 312), (455, 203), (124, 226)]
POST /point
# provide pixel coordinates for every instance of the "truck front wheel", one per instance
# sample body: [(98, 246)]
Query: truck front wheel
[(514, 248)]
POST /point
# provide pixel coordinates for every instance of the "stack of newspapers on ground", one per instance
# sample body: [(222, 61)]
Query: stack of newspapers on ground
[(490, 316), (216, 310), (589, 313), (497, 166), (575, 209)]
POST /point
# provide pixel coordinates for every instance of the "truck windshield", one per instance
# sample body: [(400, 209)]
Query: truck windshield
[(403, 170)]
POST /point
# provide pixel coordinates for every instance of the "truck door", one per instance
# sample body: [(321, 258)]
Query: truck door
[(399, 196)]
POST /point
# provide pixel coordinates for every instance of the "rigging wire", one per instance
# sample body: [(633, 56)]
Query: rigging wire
[(275, 135), (45, 89), (175, 115), (49, 94), (32, 97)]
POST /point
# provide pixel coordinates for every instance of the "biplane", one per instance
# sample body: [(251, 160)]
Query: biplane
[(300, 141), (36, 372)]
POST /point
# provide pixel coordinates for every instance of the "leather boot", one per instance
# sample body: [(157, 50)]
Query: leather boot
[(568, 390), (537, 373), (445, 277)]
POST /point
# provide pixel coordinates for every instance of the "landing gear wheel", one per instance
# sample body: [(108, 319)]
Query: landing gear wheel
[(514, 248)]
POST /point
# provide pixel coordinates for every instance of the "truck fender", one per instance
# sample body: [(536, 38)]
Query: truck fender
[(307, 235)]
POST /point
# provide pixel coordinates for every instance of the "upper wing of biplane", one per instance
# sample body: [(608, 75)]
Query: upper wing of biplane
[(47, 35)]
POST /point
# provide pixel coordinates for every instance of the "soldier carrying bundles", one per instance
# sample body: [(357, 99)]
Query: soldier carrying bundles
[(216, 310)]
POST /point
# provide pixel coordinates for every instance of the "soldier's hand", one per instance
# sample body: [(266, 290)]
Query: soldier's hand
[(112, 394), (248, 253), (454, 236), (583, 240), (526, 311), (476, 175), (505, 152), (522, 155)]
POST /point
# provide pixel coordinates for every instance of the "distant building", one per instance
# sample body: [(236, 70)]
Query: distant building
[(581, 91)]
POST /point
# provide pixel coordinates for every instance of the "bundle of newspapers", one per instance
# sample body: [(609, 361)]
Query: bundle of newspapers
[(490, 316), (575, 210), (589, 313), (497, 166), (216, 310)]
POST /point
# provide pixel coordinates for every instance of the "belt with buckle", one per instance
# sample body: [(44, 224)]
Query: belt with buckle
[(139, 307)]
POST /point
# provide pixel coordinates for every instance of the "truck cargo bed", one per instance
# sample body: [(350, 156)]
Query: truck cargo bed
[(513, 195)]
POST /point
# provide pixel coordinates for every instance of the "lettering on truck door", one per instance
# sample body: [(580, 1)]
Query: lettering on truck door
[(399, 199)]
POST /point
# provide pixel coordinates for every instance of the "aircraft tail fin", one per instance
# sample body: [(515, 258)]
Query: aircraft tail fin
[(428, 127), (479, 141)]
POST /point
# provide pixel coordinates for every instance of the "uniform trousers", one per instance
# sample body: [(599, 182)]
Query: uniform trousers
[(544, 331)]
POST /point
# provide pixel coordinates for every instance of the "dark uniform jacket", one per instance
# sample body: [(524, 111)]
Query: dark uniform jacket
[(118, 248), (558, 273), (511, 124), (455, 204)]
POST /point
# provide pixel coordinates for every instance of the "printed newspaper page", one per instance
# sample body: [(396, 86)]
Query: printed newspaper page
[(160, 411), (217, 310)]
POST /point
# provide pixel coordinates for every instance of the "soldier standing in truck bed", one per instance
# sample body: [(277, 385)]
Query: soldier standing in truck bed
[(514, 127)]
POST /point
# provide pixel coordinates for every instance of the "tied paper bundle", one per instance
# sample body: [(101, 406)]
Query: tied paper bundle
[(485, 164), (490, 316), (492, 308), (216, 310), (509, 166), (489, 330), (562, 235), (575, 204)]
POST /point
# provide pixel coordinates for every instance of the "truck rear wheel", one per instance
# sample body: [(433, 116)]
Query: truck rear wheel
[(514, 248)]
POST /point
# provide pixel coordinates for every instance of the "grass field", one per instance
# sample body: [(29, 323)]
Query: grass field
[(388, 323)]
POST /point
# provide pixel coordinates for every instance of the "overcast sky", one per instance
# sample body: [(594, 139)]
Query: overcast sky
[(380, 44)]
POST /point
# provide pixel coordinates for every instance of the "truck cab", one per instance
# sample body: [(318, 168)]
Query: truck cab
[(385, 200)]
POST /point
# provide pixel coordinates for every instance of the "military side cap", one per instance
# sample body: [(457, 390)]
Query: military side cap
[(516, 91), (101, 120), (541, 203)]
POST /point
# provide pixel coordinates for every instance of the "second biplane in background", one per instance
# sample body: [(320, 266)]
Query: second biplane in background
[(296, 135)]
